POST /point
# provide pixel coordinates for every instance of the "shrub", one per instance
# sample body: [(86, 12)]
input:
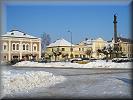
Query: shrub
[(82, 62)]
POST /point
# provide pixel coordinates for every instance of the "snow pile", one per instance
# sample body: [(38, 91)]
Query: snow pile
[(97, 64), (24, 82), (104, 64)]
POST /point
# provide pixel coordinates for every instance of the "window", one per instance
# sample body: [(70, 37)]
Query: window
[(79, 49), (4, 57), (13, 46), (57, 49), (17, 46), (76, 56), (27, 47), (83, 56), (71, 49), (23, 46), (63, 49), (4, 47), (34, 48), (12, 33), (82, 49)]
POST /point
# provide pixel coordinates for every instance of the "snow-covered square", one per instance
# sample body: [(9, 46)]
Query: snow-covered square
[(98, 79)]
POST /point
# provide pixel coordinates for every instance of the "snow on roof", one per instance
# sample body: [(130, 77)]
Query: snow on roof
[(99, 39), (60, 42), (17, 33), (87, 42)]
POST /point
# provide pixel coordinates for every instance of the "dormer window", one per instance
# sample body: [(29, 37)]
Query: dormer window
[(12, 33)]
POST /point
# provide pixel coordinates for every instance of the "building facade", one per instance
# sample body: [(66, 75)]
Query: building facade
[(85, 49), (94, 45), (59, 50), (126, 46), (19, 45)]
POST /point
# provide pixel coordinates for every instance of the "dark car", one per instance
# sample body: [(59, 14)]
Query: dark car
[(14, 61), (42, 61), (85, 58), (122, 59), (75, 60)]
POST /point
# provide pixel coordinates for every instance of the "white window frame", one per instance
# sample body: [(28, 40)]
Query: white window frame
[(12, 46), (23, 47), (34, 45), (18, 46), (26, 47), (4, 57), (5, 44)]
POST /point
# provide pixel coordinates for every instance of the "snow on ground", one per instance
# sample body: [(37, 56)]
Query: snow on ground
[(18, 82), (97, 64)]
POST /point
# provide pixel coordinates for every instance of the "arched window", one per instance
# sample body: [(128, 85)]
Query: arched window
[(5, 46), (27, 46), (13, 47), (23, 46), (34, 47), (17, 46)]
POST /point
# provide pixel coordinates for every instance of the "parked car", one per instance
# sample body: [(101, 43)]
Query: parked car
[(75, 60), (122, 59), (131, 59), (42, 61), (14, 61), (93, 59), (85, 59)]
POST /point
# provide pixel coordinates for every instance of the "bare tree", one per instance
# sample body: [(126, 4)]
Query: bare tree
[(118, 50), (65, 56), (106, 51), (56, 54), (88, 52), (45, 40)]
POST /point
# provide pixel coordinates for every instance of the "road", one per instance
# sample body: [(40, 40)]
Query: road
[(84, 83)]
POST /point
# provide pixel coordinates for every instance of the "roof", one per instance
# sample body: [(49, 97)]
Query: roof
[(87, 42), (124, 39), (17, 33), (90, 41), (60, 42)]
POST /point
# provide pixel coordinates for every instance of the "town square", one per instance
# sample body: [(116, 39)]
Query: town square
[(66, 49)]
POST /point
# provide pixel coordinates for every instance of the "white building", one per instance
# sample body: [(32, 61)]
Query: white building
[(19, 45)]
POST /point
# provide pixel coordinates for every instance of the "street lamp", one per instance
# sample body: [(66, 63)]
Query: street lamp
[(71, 42)]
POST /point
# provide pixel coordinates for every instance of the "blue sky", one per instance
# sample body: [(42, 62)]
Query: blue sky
[(91, 21)]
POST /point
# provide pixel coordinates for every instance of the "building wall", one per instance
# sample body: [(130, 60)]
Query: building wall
[(10, 52), (98, 44), (79, 50), (127, 48)]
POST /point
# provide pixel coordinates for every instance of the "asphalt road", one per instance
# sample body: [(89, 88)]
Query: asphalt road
[(83, 83)]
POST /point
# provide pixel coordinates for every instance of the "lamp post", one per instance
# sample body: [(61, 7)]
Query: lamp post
[(71, 42)]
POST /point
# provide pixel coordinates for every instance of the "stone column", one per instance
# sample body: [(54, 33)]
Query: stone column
[(20, 48), (9, 50), (39, 49), (115, 28), (31, 49)]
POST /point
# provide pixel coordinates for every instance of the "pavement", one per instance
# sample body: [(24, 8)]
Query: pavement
[(83, 83)]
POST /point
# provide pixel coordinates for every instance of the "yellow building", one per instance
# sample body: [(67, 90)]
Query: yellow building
[(19, 45), (126, 46), (62, 48), (94, 45)]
